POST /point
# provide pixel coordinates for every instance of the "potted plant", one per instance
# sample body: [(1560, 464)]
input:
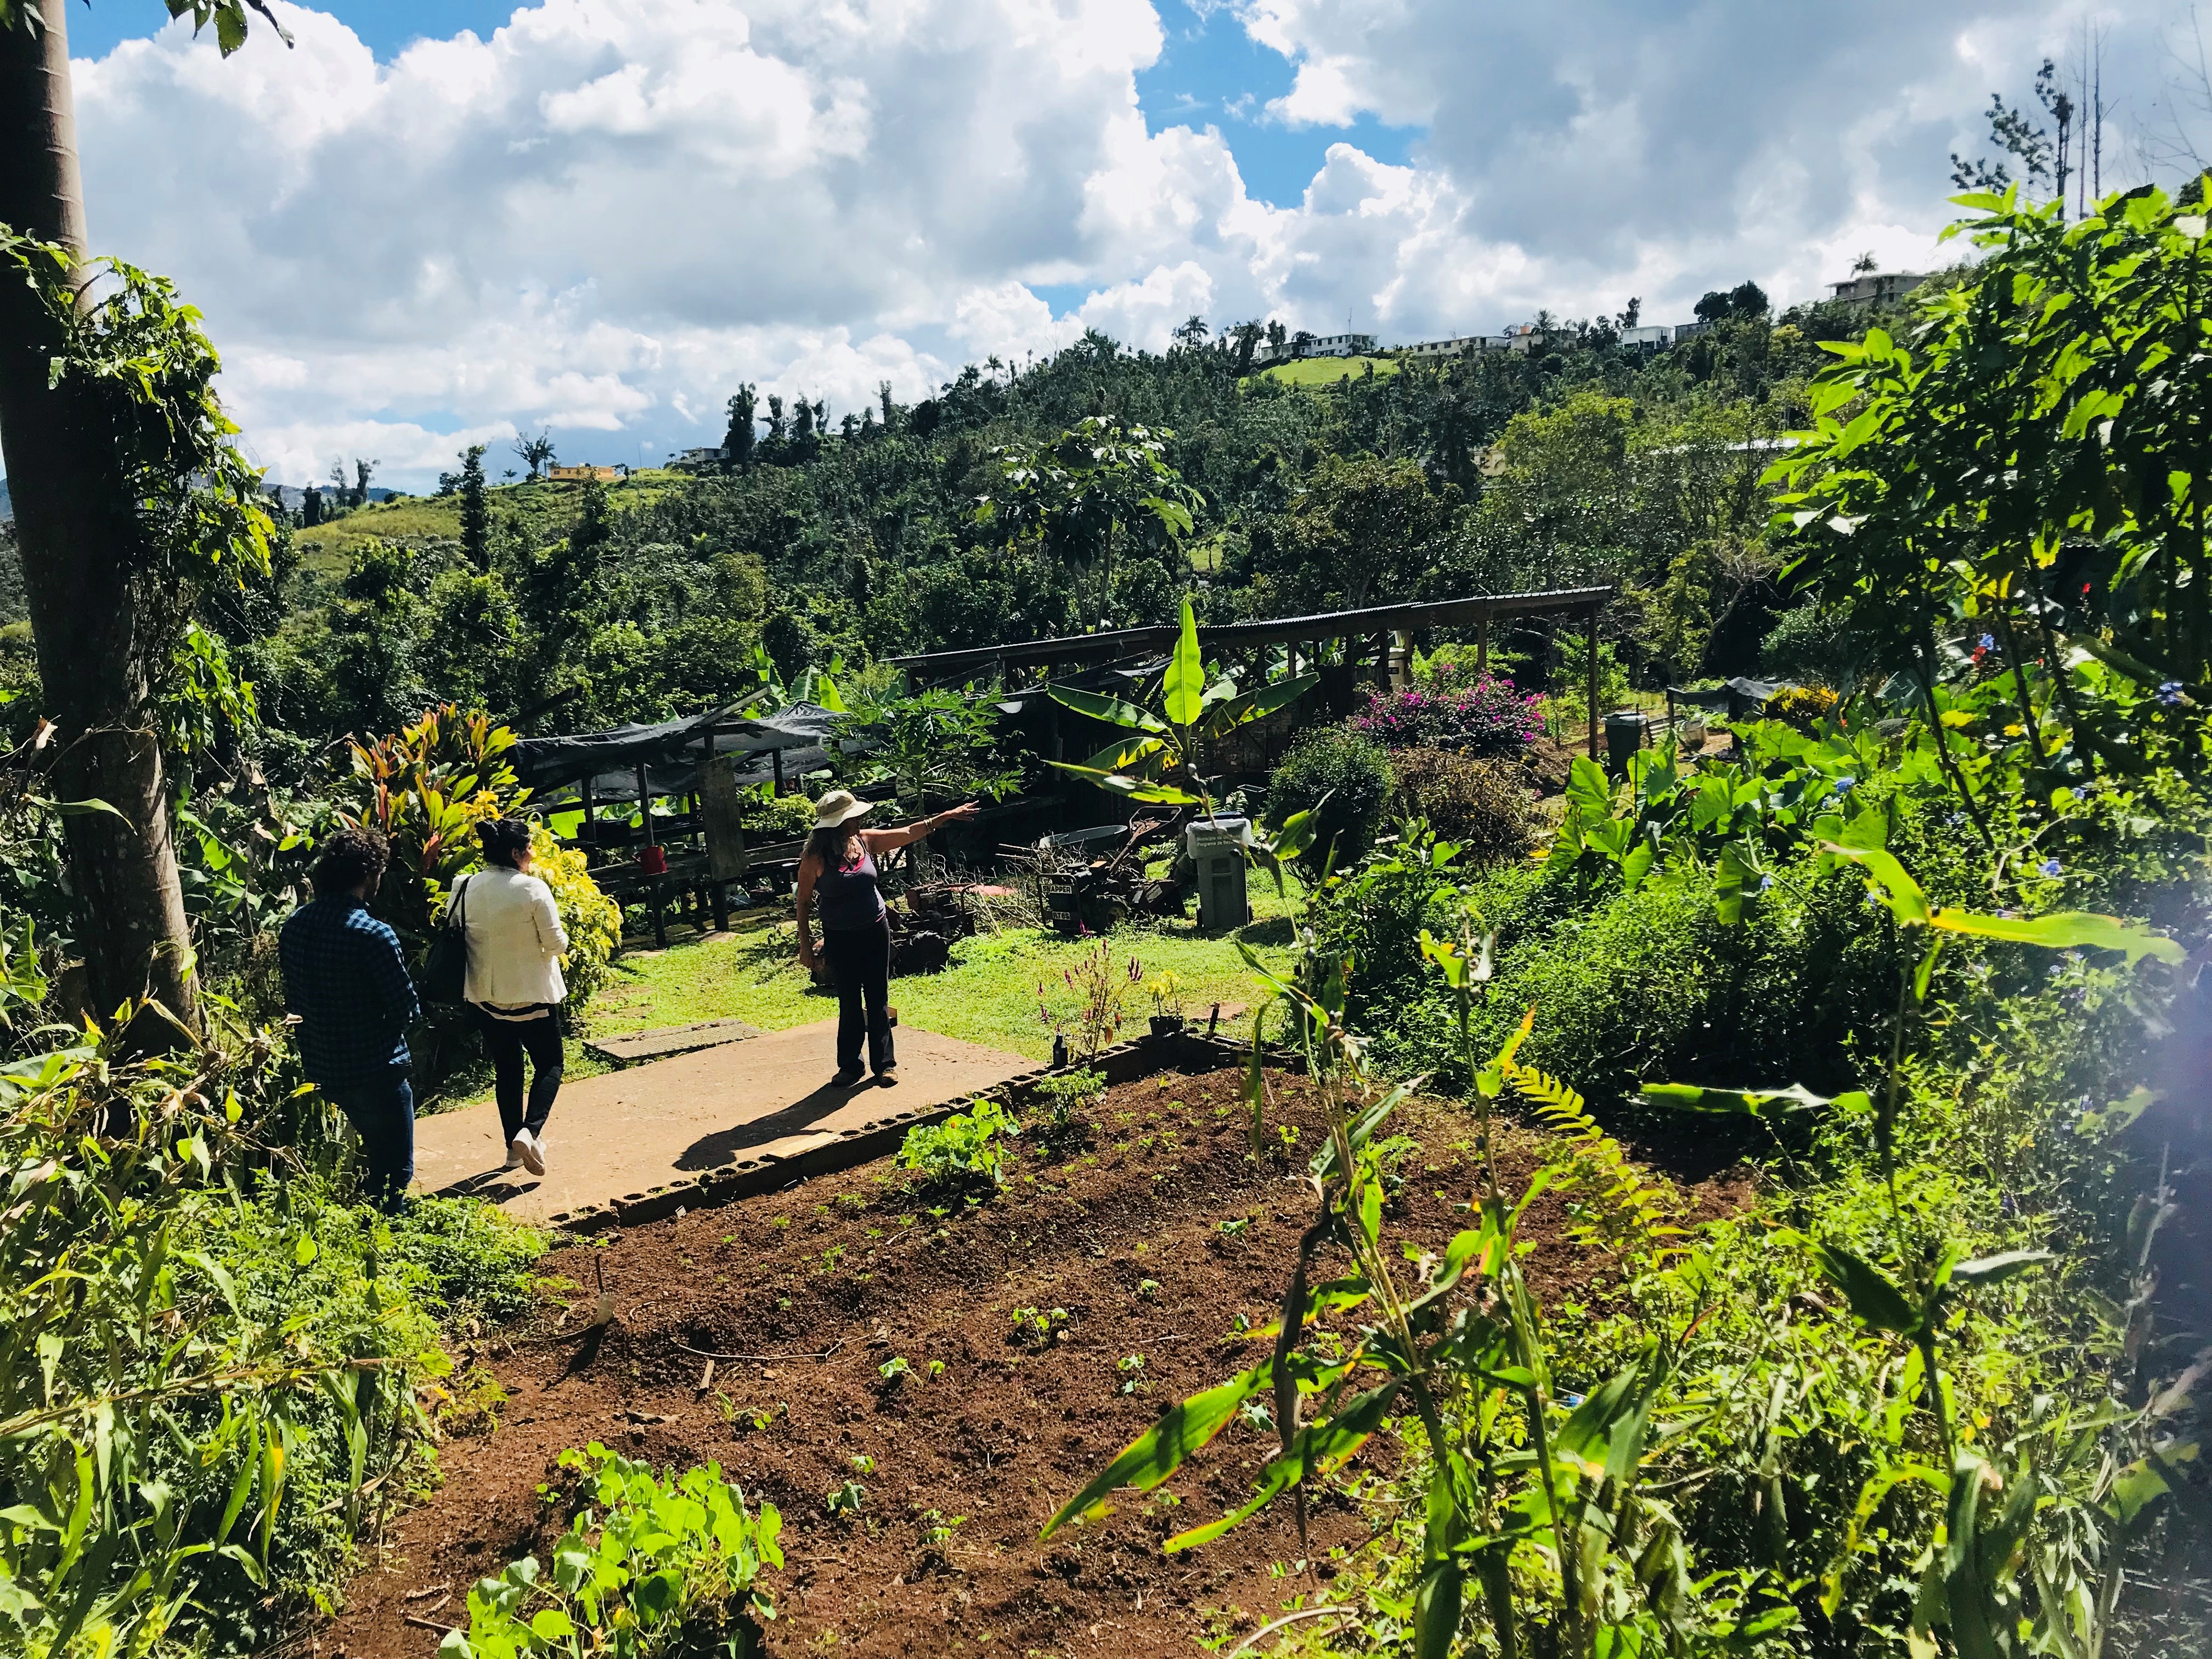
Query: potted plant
[(1167, 1004)]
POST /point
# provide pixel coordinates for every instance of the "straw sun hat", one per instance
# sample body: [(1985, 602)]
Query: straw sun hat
[(838, 807)]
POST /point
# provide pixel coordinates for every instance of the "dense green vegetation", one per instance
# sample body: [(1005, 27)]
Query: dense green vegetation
[(1934, 1390), (587, 604), (1914, 949)]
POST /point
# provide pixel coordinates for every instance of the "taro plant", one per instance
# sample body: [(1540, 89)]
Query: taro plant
[(651, 1564), (966, 1151)]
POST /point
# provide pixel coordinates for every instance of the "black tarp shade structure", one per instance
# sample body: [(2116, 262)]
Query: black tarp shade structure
[(604, 765), (1737, 697)]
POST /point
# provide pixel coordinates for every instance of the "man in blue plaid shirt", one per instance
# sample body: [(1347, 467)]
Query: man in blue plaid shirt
[(346, 982)]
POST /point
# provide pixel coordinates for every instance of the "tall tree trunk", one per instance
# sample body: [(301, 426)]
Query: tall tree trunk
[(79, 540)]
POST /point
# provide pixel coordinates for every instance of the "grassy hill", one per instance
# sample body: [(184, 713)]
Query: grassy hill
[(328, 547), (1328, 371)]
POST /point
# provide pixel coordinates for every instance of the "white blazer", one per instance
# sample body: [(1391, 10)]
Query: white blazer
[(515, 939)]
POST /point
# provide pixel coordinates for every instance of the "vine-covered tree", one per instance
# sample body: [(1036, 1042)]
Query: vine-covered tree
[(115, 534)]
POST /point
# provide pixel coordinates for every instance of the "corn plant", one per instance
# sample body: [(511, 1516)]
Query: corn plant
[(1520, 1489), (650, 1565)]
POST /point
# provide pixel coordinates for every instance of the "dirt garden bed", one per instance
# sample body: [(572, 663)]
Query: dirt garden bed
[(1127, 1241)]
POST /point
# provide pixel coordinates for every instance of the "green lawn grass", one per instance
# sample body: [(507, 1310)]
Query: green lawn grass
[(987, 996), (1327, 371)]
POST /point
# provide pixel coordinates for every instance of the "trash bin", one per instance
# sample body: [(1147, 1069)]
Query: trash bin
[(1624, 732), (1217, 847)]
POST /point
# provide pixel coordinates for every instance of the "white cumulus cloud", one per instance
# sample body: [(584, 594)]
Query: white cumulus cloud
[(607, 214)]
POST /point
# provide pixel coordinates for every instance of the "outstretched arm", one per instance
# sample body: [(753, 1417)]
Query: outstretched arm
[(885, 840)]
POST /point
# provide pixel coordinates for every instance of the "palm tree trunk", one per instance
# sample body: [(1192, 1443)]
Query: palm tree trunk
[(79, 540)]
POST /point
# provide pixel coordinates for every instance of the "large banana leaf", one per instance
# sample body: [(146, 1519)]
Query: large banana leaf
[(1182, 692), (1112, 710), (1146, 790), (1256, 704)]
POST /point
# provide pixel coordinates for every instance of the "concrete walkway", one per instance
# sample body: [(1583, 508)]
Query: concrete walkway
[(630, 1131)]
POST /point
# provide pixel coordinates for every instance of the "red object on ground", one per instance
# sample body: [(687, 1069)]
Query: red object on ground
[(654, 860)]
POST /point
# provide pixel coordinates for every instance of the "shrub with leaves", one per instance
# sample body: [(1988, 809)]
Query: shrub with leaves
[(1344, 779), (426, 787), (651, 1564), (1481, 805), (1473, 714), (591, 918), (207, 1366), (966, 1151)]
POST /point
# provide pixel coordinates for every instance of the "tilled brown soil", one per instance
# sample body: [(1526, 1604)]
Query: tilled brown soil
[(1127, 1239)]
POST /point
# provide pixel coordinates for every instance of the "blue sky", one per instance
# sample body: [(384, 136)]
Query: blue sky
[(1211, 72), (385, 27), (629, 207)]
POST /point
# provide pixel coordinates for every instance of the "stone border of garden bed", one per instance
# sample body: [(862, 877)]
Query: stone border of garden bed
[(749, 1178)]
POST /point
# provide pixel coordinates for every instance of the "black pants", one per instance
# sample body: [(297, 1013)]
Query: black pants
[(382, 1110), (861, 962), (508, 1040)]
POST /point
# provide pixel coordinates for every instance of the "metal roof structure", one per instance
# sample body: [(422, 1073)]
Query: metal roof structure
[(1118, 645)]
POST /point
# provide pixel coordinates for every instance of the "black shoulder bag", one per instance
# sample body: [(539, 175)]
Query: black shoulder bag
[(446, 969)]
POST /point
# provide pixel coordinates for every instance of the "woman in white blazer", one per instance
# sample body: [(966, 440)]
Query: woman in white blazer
[(514, 989)]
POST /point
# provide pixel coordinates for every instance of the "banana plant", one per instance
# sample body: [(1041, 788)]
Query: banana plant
[(1156, 762)]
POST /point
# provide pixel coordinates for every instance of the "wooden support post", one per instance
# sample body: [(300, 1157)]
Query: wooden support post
[(1482, 645), (1593, 683), (775, 761), (720, 893), (659, 916), (585, 830)]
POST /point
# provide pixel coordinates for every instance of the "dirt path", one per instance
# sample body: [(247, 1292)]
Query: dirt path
[(1128, 1242), (767, 1097)]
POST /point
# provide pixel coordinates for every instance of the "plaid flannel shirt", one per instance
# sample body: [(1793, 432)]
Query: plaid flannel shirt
[(345, 978)]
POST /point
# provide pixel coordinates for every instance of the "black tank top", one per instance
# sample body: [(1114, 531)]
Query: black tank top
[(850, 898)]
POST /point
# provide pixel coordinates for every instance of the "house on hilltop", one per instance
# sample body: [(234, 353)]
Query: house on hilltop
[(582, 474), (1461, 345), (1875, 287), (1311, 345)]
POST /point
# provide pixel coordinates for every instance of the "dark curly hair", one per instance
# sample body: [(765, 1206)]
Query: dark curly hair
[(347, 857), (502, 839)]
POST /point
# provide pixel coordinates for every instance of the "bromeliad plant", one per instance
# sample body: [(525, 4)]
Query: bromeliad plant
[(1159, 762), (651, 1565)]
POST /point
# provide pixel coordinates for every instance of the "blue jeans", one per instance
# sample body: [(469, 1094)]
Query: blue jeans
[(382, 1109)]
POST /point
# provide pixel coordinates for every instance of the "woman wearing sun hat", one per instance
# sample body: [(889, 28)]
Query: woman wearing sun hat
[(837, 879)]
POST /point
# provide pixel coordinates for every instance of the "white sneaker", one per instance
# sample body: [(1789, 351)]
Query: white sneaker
[(533, 1152), (514, 1153)]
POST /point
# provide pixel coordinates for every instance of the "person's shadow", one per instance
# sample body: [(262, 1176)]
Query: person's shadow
[(711, 1152)]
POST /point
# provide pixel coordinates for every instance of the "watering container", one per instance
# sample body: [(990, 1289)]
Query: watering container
[(1624, 732), (1217, 847)]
